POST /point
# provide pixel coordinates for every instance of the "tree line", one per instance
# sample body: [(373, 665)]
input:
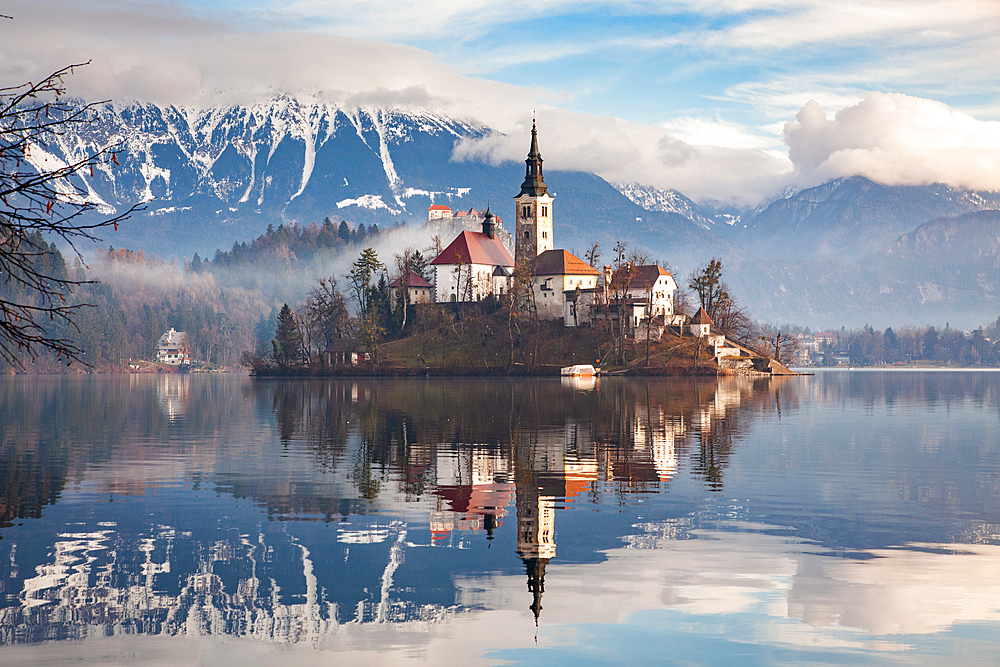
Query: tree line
[(910, 344), (278, 248)]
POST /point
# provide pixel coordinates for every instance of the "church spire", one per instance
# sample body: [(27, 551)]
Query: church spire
[(533, 184)]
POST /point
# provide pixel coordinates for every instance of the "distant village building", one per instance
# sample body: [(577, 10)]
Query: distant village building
[(473, 266), (441, 212), (420, 291), (172, 348)]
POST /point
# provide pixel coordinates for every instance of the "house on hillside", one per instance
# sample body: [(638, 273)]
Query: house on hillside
[(637, 293), (700, 326), (172, 348), (473, 266), (559, 279), (439, 212), (420, 291), (442, 212)]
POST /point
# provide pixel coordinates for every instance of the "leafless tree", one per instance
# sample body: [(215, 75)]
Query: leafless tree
[(779, 345), (712, 291), (37, 202), (638, 257), (409, 262), (622, 274)]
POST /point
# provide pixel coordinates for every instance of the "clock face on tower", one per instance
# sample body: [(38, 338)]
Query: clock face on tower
[(533, 209)]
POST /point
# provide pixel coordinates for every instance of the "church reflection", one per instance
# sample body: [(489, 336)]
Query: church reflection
[(479, 460)]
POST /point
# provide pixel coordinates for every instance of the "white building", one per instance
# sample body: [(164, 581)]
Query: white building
[(556, 275), (420, 291), (172, 348), (473, 266)]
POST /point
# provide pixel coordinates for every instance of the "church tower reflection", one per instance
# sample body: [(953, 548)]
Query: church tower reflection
[(536, 527), (540, 477)]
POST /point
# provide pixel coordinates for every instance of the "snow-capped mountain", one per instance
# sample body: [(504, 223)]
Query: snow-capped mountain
[(848, 218), (669, 201), (212, 177), (218, 175), (264, 156)]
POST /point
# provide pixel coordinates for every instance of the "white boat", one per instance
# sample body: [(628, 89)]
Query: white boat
[(579, 371)]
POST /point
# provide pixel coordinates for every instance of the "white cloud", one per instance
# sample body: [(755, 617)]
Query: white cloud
[(816, 21), (629, 152), (896, 140), (717, 132), (165, 53)]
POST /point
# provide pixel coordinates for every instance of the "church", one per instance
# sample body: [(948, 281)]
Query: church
[(476, 264)]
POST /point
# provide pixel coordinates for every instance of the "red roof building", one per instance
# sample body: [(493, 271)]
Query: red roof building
[(556, 275), (474, 248), (420, 290), (473, 265), (439, 212)]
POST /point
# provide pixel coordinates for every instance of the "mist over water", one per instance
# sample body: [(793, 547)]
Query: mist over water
[(807, 519)]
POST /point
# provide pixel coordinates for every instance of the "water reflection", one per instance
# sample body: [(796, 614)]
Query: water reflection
[(300, 512)]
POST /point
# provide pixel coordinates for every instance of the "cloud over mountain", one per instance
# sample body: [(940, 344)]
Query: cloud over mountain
[(172, 54), (895, 139)]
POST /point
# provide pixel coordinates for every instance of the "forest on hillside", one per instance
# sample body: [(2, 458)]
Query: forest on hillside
[(225, 304)]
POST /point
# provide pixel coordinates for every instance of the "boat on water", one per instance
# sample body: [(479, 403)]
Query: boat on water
[(579, 371)]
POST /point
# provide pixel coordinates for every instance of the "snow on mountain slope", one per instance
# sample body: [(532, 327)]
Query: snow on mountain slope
[(264, 154), (667, 201)]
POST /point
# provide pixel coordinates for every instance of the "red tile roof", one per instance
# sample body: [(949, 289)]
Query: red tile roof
[(474, 248), (701, 317), (560, 263), (643, 277), (439, 207), (413, 280)]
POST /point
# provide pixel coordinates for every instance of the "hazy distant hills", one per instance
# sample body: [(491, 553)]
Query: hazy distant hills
[(847, 252), (851, 252), (847, 218), (945, 271)]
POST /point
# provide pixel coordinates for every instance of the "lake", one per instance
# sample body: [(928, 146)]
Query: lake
[(840, 518)]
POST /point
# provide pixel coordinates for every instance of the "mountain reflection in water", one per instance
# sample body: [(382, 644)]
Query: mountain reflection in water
[(292, 511)]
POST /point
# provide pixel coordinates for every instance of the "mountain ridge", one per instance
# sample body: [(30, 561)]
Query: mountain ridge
[(215, 176)]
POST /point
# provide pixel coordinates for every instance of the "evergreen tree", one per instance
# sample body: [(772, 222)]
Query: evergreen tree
[(287, 343), (362, 272), (344, 232)]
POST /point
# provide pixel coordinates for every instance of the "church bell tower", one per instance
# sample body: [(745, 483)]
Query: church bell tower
[(533, 234)]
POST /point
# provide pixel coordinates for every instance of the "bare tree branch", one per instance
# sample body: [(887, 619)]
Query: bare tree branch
[(43, 197)]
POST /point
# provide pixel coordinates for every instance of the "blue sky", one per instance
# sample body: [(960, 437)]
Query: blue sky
[(713, 86)]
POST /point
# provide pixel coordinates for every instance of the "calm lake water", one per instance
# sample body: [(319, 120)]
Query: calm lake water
[(841, 518)]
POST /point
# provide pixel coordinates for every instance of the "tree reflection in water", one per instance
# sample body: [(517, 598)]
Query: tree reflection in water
[(475, 445), (467, 452)]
